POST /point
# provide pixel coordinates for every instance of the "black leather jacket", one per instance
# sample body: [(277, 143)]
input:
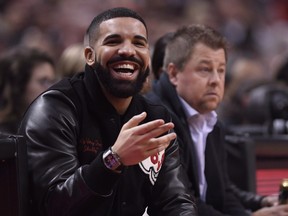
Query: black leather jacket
[(66, 136)]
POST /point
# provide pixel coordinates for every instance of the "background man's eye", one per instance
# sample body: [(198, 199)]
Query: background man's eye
[(205, 69)]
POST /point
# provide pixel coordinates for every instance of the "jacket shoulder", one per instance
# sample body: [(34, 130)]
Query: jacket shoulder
[(156, 109)]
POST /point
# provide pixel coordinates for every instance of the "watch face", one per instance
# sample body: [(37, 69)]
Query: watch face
[(111, 161)]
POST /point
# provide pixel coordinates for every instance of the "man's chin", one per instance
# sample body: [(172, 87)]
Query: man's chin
[(124, 90), (118, 87), (212, 106)]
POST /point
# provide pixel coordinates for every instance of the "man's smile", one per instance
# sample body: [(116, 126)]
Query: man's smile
[(125, 70)]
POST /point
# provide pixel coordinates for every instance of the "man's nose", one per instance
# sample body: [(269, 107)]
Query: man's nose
[(127, 49), (215, 77)]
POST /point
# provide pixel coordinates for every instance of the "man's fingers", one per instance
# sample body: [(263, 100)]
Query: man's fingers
[(146, 127), (160, 142), (133, 122), (151, 132), (155, 150), (152, 125)]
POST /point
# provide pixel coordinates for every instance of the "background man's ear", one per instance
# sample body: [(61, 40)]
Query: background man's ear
[(172, 73), (89, 55)]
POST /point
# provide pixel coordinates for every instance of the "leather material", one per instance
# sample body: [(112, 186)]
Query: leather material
[(66, 138)]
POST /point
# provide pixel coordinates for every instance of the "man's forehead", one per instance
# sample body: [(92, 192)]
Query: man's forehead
[(122, 24), (126, 20)]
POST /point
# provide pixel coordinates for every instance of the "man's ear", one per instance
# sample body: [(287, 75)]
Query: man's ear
[(172, 73), (89, 55)]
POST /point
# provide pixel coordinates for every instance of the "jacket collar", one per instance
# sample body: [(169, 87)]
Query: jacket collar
[(98, 104), (167, 92)]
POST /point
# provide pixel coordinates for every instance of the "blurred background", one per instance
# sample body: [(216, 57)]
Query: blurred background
[(256, 98), (258, 28)]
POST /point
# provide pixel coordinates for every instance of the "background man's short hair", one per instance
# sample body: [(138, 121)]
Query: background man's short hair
[(185, 39)]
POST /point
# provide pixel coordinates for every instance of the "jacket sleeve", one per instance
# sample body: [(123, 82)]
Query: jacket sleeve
[(232, 204), (208, 210), (171, 188), (250, 200), (205, 209), (51, 130)]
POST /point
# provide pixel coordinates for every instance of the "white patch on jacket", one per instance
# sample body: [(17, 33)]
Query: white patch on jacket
[(152, 165)]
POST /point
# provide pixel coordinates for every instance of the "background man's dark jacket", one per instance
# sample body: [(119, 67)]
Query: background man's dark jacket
[(219, 198)]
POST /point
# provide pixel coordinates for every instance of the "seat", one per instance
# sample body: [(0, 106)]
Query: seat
[(241, 161), (13, 176), (271, 162)]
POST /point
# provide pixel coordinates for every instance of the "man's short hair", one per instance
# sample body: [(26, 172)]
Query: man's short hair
[(185, 39), (91, 33)]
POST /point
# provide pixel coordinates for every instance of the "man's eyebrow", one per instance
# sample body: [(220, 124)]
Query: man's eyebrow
[(205, 61), (112, 36)]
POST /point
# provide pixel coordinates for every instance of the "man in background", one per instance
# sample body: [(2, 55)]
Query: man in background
[(192, 88)]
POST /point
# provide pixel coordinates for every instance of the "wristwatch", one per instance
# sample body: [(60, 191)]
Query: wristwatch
[(112, 160)]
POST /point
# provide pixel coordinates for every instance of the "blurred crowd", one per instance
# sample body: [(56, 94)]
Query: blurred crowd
[(257, 28), (257, 31)]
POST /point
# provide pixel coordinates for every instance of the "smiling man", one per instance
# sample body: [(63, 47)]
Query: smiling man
[(97, 147)]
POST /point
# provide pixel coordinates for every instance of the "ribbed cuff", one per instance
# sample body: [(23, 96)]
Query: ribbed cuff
[(99, 178)]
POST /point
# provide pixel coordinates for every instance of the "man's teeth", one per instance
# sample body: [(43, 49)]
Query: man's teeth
[(125, 66), (125, 73)]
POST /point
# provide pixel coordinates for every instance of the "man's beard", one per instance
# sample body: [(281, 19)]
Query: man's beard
[(120, 88)]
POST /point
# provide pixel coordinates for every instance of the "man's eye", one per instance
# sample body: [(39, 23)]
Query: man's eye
[(205, 69), (221, 71), (140, 44), (111, 42)]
